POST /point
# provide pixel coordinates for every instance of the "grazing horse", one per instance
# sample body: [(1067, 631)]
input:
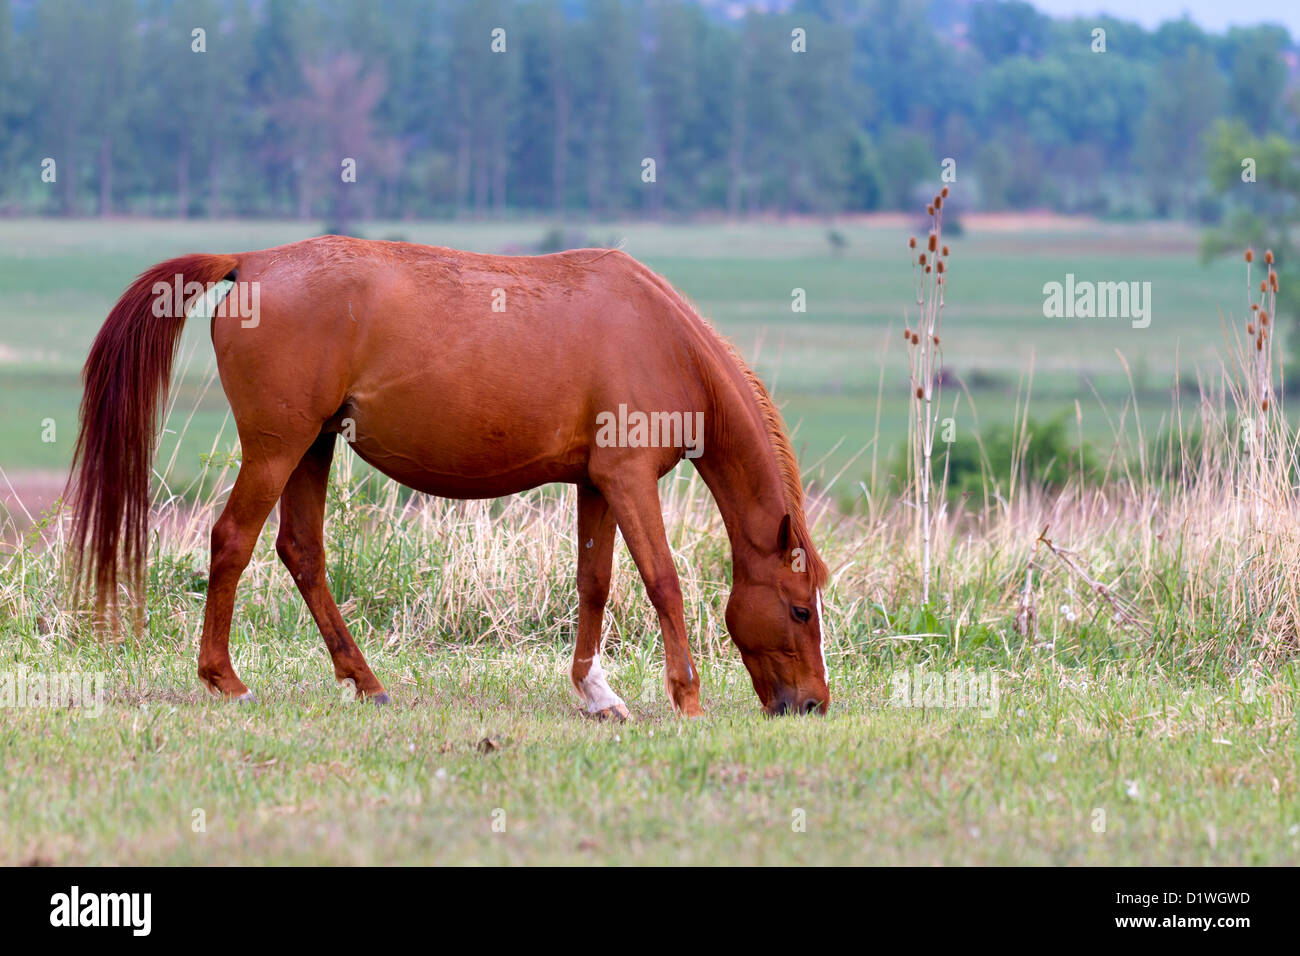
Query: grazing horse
[(465, 376)]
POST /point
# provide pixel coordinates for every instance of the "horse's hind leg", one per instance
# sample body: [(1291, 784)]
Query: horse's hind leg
[(301, 546), (595, 563), (260, 480)]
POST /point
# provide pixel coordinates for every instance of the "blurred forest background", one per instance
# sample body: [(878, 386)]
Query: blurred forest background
[(442, 126)]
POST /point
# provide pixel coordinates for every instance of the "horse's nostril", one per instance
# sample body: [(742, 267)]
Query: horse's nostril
[(812, 705)]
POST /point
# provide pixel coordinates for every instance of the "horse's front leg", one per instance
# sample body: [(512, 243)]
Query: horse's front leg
[(634, 499), (595, 565)]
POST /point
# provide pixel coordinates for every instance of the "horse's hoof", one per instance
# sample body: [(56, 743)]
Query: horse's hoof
[(215, 691), (616, 712), (381, 699)]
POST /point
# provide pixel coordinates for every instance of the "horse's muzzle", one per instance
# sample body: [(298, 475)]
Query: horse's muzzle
[(790, 702)]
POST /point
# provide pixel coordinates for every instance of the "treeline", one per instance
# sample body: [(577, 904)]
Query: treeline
[(613, 107)]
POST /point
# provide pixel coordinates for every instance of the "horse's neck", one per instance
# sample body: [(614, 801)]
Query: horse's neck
[(739, 466)]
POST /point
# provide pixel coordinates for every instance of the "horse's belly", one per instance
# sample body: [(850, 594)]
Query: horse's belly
[(464, 457), (447, 484), (477, 408)]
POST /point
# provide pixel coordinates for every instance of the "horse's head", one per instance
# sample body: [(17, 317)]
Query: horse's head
[(774, 618)]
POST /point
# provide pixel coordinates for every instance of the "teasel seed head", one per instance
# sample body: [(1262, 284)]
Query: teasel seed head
[(1264, 404), (945, 250), (920, 392), (911, 243), (934, 242), (1250, 255), (1268, 256), (916, 339), (1263, 317), (936, 340), (1272, 281), (939, 265), (938, 202), (921, 259), (929, 210), (944, 192), (1250, 329), (1263, 285)]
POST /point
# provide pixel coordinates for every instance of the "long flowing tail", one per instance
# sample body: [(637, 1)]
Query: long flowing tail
[(126, 379)]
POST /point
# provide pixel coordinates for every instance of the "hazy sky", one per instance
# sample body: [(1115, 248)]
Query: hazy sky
[(1215, 15)]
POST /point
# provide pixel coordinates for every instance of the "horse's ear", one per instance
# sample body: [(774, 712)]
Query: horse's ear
[(783, 535)]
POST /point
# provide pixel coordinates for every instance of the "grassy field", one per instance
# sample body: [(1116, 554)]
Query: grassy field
[(1145, 704), (1076, 768)]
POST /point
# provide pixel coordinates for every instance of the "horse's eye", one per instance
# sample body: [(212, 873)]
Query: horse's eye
[(800, 614)]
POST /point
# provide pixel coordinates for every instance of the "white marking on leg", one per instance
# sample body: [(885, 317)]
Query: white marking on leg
[(595, 690)]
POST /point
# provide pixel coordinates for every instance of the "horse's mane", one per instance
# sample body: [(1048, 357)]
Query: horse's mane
[(786, 462)]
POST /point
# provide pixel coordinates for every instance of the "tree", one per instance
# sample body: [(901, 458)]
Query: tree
[(614, 136), (1002, 29), (485, 83), (12, 120), (332, 126), (1181, 105), (1257, 75)]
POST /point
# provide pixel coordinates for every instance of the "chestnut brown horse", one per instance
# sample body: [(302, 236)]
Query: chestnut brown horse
[(465, 376)]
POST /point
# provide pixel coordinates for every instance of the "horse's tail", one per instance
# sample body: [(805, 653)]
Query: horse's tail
[(126, 379)]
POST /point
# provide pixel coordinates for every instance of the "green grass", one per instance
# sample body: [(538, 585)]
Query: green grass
[(1183, 774)]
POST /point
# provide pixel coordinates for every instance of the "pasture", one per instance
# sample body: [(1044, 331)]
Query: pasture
[(306, 778), (1098, 746), (1164, 732)]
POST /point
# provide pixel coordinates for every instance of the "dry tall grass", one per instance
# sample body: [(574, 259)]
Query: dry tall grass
[(925, 360)]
